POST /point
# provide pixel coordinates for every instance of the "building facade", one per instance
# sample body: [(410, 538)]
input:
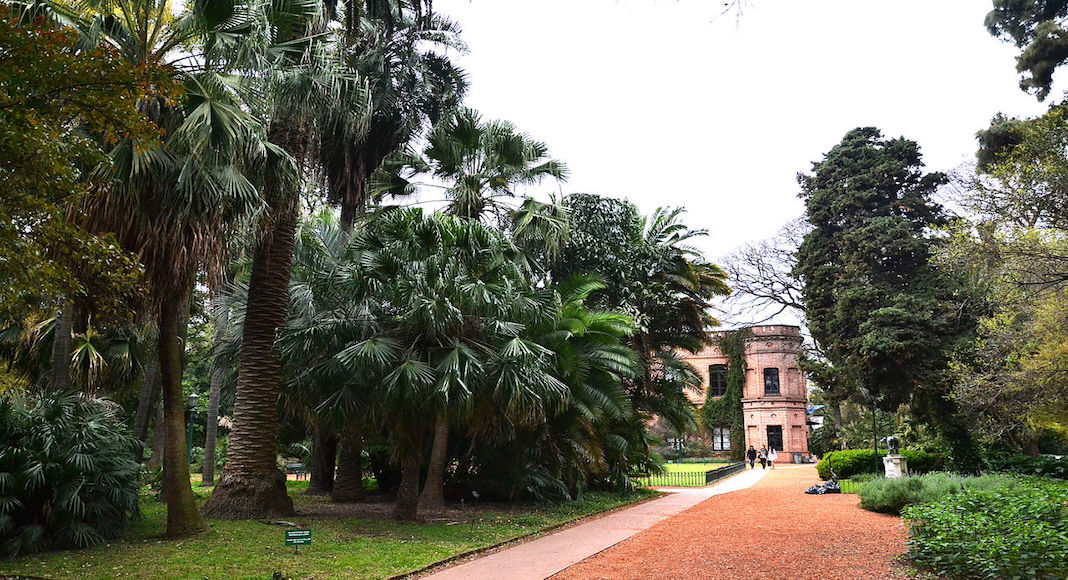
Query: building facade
[(775, 397)]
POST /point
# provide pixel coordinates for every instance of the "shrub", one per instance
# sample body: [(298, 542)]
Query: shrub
[(66, 474), (1037, 466), (854, 461), (1007, 532), (889, 496)]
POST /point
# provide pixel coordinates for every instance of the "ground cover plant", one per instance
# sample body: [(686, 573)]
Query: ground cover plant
[(890, 496), (1006, 532), (342, 547)]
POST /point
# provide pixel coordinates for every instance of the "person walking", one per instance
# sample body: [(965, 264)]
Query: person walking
[(751, 455), (772, 456), (762, 455)]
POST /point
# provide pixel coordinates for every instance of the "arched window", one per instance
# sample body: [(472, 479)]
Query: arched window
[(771, 381), (717, 380)]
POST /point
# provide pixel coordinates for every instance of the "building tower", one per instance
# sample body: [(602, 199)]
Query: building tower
[(775, 397)]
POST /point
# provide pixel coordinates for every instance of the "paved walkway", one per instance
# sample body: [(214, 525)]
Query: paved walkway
[(545, 556)]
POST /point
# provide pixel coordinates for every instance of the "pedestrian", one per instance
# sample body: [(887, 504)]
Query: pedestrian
[(772, 456), (751, 455), (763, 457)]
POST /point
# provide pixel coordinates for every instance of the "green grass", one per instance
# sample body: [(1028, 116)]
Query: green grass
[(341, 548), (672, 479), (692, 467)]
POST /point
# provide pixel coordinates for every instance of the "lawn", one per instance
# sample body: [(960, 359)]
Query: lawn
[(693, 467), (341, 547), (681, 475)]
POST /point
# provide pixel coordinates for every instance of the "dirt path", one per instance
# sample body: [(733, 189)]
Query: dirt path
[(771, 530)]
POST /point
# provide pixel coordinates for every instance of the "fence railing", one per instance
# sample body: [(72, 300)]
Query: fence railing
[(717, 474), (689, 478)]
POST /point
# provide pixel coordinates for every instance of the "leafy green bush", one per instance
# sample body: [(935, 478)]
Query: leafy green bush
[(1037, 466), (66, 474), (889, 496), (1007, 532), (854, 461)]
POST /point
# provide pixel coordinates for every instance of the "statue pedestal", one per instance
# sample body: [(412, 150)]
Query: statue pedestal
[(895, 466)]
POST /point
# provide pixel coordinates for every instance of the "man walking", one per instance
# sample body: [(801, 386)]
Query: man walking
[(751, 456)]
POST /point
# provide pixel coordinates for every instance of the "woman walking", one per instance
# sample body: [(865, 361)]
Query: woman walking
[(772, 456), (763, 457)]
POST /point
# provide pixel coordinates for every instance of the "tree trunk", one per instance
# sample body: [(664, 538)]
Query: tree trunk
[(183, 520), (433, 497), (252, 486), (323, 461), (159, 439), (146, 402), (349, 485), (407, 505), (211, 428), (61, 348)]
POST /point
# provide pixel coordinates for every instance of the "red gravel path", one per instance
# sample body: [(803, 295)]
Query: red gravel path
[(771, 530)]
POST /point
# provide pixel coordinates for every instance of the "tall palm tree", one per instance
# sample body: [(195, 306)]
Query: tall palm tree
[(305, 76), (168, 202), (482, 163), (400, 48)]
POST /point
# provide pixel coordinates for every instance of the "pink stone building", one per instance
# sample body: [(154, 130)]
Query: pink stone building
[(774, 399)]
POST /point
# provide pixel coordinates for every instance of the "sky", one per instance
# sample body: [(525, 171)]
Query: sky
[(672, 102)]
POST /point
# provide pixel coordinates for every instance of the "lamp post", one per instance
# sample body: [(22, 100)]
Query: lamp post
[(190, 419)]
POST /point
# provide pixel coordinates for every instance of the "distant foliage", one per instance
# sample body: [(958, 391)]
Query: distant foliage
[(1037, 466), (1008, 532), (822, 440), (66, 477), (890, 496), (850, 462)]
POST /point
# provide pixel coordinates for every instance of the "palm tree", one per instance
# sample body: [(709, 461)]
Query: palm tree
[(304, 78), (400, 48), (168, 202), (482, 162), (423, 316)]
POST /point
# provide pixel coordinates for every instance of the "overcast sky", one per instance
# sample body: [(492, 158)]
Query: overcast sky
[(666, 102)]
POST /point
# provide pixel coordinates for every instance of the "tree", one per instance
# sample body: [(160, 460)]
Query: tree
[(400, 48), (303, 79), (1037, 28), (168, 202), (763, 284), (482, 162), (873, 300), (652, 273)]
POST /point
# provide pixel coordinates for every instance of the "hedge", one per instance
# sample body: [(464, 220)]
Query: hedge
[(1036, 466), (854, 461)]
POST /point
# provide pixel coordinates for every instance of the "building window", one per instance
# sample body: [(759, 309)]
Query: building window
[(721, 439), (771, 381), (775, 437), (717, 380)]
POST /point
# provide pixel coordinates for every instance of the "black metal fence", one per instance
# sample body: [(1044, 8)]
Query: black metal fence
[(690, 478)]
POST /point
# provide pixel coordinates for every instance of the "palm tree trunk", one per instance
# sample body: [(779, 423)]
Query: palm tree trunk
[(146, 402), (323, 461), (183, 519), (61, 348), (433, 497), (252, 486), (407, 505), (211, 429), (349, 485)]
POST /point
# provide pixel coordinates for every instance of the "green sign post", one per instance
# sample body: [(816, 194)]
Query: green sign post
[(298, 538)]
